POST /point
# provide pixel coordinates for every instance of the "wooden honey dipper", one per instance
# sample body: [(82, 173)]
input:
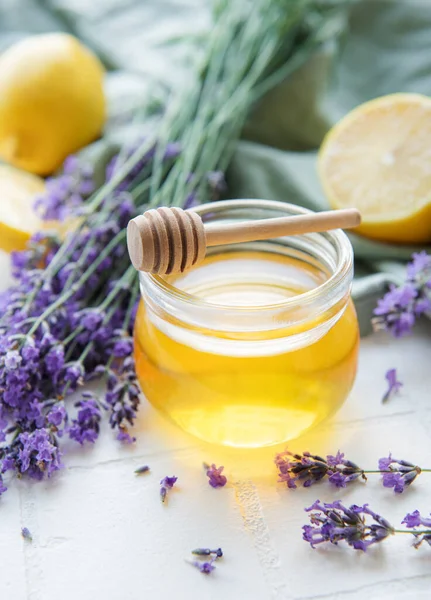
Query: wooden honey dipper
[(172, 240)]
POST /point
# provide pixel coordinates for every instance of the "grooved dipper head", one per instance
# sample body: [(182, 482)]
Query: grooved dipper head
[(166, 240)]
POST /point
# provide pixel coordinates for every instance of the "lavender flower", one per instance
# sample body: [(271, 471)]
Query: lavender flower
[(67, 193), (308, 469), (25, 532), (334, 523), (206, 567), (413, 520), (398, 474), (167, 483), (86, 427), (399, 309), (393, 383), (215, 477), (35, 454)]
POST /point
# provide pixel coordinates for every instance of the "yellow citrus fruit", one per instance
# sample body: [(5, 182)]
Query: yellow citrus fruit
[(378, 159), (51, 101), (18, 221)]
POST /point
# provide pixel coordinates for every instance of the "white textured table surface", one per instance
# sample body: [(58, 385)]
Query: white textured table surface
[(101, 532)]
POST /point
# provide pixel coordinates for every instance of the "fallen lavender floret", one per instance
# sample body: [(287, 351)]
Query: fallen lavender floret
[(394, 385), (215, 477), (25, 532), (206, 566), (167, 483)]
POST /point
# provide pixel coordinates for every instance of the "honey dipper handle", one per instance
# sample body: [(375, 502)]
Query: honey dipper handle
[(264, 229)]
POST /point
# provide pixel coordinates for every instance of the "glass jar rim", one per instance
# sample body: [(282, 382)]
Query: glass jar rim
[(337, 237)]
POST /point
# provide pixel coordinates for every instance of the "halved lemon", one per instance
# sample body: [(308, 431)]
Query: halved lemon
[(378, 159), (18, 221)]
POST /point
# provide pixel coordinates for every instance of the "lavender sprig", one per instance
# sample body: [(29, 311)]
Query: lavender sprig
[(307, 469), (399, 308), (334, 522)]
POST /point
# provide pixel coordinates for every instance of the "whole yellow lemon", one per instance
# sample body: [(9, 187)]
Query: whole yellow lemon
[(51, 101)]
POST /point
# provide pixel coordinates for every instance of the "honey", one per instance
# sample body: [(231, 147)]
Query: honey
[(239, 352)]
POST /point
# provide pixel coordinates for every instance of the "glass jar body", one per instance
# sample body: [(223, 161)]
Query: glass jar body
[(259, 343)]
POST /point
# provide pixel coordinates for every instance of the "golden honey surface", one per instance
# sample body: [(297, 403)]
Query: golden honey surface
[(241, 398)]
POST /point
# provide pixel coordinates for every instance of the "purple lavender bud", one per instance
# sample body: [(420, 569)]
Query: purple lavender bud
[(26, 534), (421, 262), (12, 360), (57, 415), (123, 347), (167, 483), (393, 384), (3, 488), (86, 426), (206, 567), (397, 474), (208, 552), (215, 477), (143, 469), (124, 436)]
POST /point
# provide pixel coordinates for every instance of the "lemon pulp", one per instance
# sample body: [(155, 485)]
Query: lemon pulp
[(378, 159), (18, 221)]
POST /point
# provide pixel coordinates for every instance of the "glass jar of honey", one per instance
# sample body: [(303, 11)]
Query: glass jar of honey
[(258, 343)]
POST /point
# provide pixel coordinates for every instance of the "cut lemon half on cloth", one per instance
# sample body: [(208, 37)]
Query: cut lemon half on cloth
[(18, 221), (378, 159)]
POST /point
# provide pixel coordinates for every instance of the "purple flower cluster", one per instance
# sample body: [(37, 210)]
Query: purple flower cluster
[(307, 469), (215, 477), (398, 474), (86, 426), (334, 522), (399, 308), (67, 320), (66, 194), (69, 317), (142, 168)]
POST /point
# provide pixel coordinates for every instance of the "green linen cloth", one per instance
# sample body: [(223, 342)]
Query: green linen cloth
[(148, 45)]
